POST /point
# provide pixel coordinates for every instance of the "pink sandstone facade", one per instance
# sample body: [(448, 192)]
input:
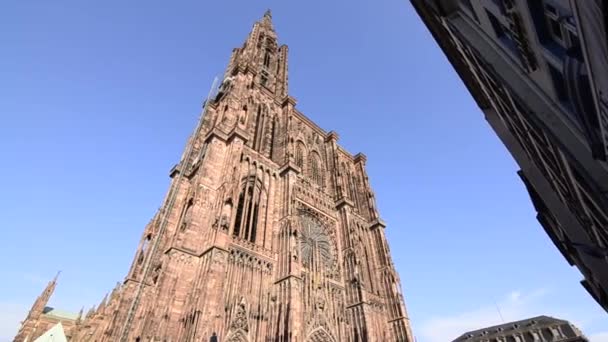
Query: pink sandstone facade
[(269, 231), (42, 318)]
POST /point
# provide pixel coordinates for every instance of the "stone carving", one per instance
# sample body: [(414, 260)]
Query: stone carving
[(319, 335), (224, 221), (295, 267), (239, 327), (314, 243)]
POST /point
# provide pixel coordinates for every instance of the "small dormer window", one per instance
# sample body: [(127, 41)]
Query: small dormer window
[(555, 332)]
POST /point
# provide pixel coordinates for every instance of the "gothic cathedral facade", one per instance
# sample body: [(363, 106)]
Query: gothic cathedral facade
[(269, 231)]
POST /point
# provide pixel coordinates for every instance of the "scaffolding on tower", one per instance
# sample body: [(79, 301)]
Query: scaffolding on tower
[(164, 213)]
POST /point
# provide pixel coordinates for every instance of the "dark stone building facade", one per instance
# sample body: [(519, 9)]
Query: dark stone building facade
[(537, 329), (538, 69), (269, 231)]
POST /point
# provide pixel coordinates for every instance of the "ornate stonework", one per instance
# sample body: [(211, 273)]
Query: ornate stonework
[(269, 231)]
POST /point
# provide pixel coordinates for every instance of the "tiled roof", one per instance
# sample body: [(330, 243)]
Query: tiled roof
[(511, 326), (49, 311), (55, 334)]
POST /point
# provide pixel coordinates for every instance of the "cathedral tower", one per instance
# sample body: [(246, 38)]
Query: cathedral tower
[(269, 231), (30, 326)]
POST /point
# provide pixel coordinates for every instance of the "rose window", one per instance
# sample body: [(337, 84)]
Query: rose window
[(315, 245)]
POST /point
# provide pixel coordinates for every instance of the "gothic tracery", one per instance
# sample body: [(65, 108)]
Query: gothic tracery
[(263, 235)]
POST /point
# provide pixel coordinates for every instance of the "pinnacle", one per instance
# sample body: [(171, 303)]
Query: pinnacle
[(80, 314), (267, 18)]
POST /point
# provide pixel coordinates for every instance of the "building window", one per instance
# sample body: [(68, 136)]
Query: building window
[(239, 213), (555, 332), (574, 41), (503, 34), (496, 25), (248, 207), (300, 150), (186, 214), (559, 83), (260, 123), (560, 27), (316, 172), (501, 6), (267, 59), (264, 79), (555, 28), (467, 4), (273, 127)]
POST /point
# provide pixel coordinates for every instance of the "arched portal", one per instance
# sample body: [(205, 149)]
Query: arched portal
[(237, 336), (319, 335)]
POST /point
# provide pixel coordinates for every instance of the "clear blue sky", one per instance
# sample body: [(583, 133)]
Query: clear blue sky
[(98, 98)]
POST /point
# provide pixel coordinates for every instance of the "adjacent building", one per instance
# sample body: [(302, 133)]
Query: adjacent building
[(538, 69), (538, 329), (54, 334), (43, 320), (269, 230)]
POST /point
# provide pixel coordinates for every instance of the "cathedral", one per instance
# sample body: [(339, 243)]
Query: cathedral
[(269, 231)]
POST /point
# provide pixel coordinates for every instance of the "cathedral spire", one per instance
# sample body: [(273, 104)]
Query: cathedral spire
[(28, 326), (56, 276), (267, 20), (263, 55), (43, 299), (257, 206)]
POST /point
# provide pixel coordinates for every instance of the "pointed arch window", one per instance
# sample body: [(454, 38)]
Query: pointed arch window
[(273, 129), (264, 78), (239, 215), (260, 123), (316, 172), (267, 58), (248, 209), (186, 214), (354, 191), (349, 186), (243, 115), (368, 267), (300, 154)]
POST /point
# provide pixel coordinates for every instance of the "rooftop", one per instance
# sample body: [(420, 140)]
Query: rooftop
[(510, 327), (49, 311)]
